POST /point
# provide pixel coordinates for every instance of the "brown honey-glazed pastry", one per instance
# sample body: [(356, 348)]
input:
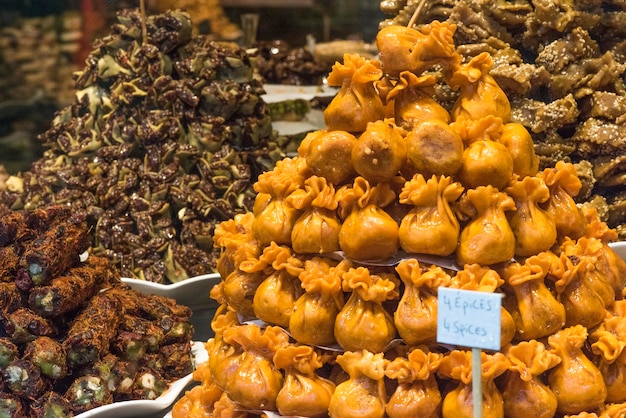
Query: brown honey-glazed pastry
[(434, 148), (304, 393), (367, 231), (365, 306), (533, 227), (413, 100), (487, 239), (535, 310), (317, 229), (313, 318)]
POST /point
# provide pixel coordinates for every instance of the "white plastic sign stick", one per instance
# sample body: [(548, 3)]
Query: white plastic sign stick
[(471, 319)]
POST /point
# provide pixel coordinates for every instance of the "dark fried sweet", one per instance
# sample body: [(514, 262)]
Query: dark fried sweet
[(11, 226), (67, 292), (129, 345), (53, 253), (24, 325), (93, 329), (24, 379), (10, 298), (51, 405), (150, 306), (12, 406), (177, 360), (8, 352), (148, 385), (48, 355), (88, 392), (119, 375), (148, 331), (8, 263)]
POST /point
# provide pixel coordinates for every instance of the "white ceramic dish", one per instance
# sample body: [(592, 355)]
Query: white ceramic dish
[(192, 292), (279, 92), (128, 409), (314, 119), (619, 248)]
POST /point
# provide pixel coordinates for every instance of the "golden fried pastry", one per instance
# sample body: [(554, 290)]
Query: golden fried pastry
[(380, 152), (434, 148)]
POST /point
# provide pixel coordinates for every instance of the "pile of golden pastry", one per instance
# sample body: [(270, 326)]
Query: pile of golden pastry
[(314, 320)]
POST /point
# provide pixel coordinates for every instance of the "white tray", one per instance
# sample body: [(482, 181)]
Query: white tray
[(619, 248), (192, 292)]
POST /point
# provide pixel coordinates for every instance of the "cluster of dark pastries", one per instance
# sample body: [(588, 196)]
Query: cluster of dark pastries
[(163, 140), (73, 337)]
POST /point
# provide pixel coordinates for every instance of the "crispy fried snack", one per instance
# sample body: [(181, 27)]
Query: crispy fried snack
[(12, 225), (50, 255), (88, 392), (24, 379), (12, 406), (51, 405), (93, 329), (48, 355), (69, 291), (10, 298), (148, 385), (149, 306), (8, 352), (8, 263), (149, 332), (119, 375), (24, 325), (177, 361)]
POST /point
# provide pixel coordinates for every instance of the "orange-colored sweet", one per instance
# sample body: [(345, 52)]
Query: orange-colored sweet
[(430, 227), (533, 227), (535, 310), (458, 402), (434, 148), (367, 231), (576, 381), (363, 394), (323, 152), (317, 229), (417, 393), (380, 152), (304, 393), (363, 323), (313, 318), (357, 103), (488, 238), (412, 97), (523, 391), (415, 317)]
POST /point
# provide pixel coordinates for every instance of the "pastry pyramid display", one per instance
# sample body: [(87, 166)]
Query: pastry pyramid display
[(164, 140), (328, 306), (562, 65)]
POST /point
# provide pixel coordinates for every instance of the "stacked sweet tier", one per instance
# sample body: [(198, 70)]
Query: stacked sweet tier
[(318, 317), (561, 64)]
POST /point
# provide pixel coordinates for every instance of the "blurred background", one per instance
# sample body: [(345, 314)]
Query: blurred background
[(42, 42)]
